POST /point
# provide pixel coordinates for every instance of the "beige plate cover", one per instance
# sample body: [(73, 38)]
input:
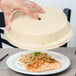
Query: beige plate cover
[(53, 30)]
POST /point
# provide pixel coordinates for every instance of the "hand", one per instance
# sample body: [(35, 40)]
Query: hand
[(9, 7)]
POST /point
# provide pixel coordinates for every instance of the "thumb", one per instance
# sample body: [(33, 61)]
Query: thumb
[(8, 19), (7, 22)]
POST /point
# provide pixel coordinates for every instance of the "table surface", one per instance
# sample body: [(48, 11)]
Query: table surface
[(69, 52)]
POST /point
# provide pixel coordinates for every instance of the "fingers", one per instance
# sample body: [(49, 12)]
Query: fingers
[(27, 11), (37, 7), (28, 4)]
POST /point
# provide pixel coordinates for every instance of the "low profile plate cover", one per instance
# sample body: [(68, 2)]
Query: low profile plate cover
[(53, 30)]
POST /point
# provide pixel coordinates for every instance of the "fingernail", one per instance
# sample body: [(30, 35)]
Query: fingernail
[(36, 17), (7, 27), (42, 11)]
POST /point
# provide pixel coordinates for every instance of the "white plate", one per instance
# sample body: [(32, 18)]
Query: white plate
[(12, 63)]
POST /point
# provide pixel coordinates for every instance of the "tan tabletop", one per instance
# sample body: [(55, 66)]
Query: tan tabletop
[(69, 52)]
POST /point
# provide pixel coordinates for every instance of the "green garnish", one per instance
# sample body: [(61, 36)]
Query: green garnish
[(37, 53)]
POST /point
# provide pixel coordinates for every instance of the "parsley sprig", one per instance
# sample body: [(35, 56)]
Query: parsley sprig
[(37, 53)]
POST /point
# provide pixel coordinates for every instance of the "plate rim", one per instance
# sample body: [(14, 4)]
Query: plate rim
[(32, 73)]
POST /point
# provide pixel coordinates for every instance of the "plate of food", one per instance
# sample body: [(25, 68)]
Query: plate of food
[(38, 62)]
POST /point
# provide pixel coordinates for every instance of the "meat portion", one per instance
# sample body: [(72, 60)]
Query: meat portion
[(41, 65), (38, 62)]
